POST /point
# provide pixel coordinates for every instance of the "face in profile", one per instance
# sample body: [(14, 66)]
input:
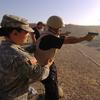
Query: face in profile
[(19, 37)]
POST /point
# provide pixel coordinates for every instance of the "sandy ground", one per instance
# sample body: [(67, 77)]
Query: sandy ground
[(78, 72)]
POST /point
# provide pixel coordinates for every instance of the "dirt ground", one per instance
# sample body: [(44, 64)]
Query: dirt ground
[(78, 73)]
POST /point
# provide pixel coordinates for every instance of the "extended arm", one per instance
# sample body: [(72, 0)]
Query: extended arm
[(72, 39)]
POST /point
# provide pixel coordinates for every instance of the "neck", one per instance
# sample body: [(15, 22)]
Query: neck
[(54, 31)]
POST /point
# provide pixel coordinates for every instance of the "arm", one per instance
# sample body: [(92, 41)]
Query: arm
[(41, 72), (29, 69), (72, 39)]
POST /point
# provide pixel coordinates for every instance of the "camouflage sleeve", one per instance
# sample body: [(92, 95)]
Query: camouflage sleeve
[(45, 72), (26, 70), (39, 72)]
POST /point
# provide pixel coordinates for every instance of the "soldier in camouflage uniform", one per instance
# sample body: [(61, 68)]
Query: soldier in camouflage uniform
[(17, 68)]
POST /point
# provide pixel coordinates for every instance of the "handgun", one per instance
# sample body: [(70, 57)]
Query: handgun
[(93, 33)]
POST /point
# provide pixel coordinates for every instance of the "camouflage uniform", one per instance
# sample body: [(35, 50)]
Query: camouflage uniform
[(16, 69)]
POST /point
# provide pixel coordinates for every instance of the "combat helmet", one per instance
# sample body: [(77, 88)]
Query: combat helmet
[(54, 22)]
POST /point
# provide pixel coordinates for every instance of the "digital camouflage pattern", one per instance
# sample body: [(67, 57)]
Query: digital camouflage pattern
[(15, 71), (15, 22)]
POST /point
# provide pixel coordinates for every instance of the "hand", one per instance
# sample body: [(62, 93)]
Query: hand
[(33, 61), (89, 37), (50, 62)]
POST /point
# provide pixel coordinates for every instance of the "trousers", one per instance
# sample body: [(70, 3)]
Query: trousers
[(51, 84)]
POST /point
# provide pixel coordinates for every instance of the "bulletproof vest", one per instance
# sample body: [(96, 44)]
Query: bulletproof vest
[(43, 56)]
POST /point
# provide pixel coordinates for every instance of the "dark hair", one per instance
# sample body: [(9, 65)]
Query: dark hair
[(40, 23), (6, 31)]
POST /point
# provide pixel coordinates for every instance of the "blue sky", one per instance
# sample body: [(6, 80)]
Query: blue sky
[(81, 12)]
